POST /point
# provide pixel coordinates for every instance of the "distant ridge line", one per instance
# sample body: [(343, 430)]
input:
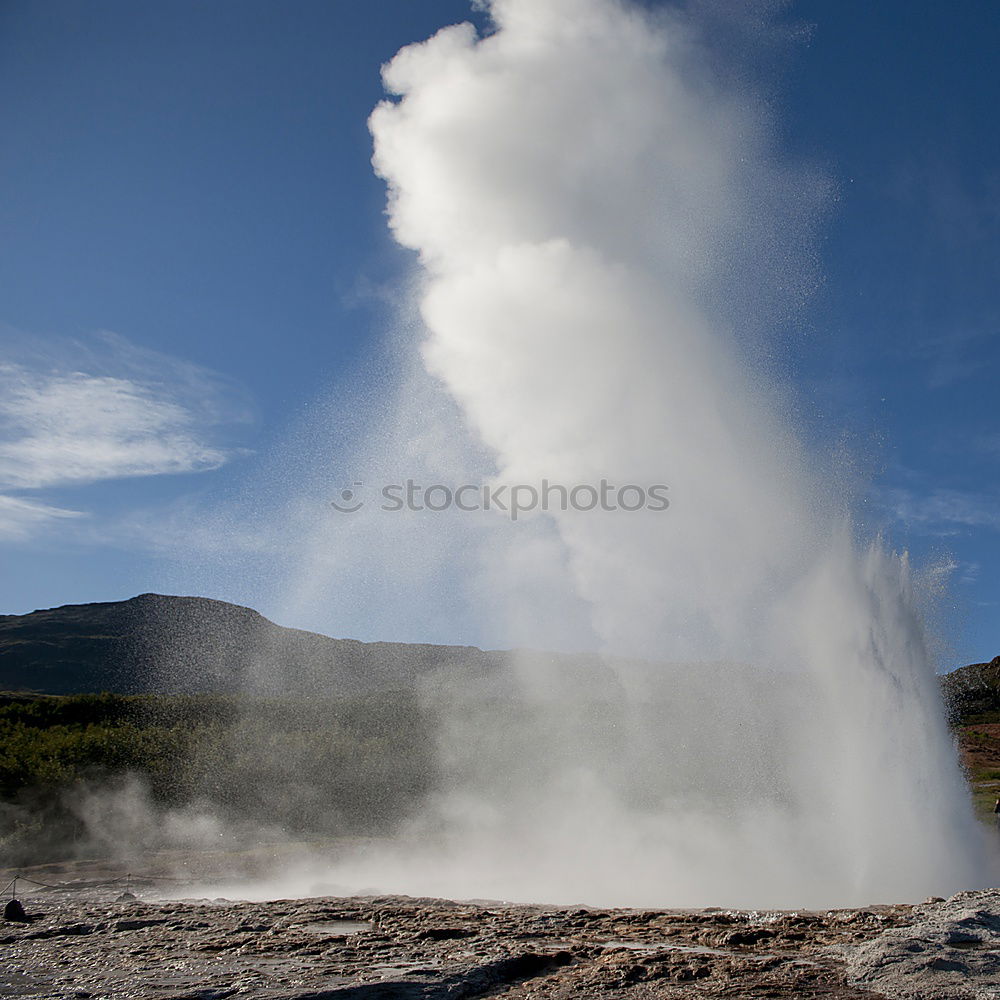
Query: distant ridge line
[(160, 643)]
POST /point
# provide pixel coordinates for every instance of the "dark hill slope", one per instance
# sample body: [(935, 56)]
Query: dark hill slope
[(159, 644), (973, 697), (973, 690)]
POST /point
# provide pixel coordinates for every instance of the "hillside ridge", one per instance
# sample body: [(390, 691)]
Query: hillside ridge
[(160, 643)]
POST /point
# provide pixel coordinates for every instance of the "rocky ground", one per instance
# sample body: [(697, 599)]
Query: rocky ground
[(88, 938)]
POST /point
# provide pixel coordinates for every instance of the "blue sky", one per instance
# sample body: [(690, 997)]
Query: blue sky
[(194, 254)]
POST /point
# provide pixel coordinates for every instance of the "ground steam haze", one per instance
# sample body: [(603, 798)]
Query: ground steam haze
[(604, 235)]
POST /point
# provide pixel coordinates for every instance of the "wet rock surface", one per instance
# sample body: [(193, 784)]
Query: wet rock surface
[(93, 942)]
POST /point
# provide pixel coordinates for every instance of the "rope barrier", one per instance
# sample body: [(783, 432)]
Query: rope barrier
[(79, 885)]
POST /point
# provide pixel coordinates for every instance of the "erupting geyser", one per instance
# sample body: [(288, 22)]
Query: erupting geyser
[(604, 233)]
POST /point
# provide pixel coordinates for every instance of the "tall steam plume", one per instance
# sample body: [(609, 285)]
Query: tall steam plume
[(605, 232)]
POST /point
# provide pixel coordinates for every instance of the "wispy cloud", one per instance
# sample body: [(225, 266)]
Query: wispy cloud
[(21, 518), (75, 413), (943, 511), (953, 356), (77, 428), (967, 357)]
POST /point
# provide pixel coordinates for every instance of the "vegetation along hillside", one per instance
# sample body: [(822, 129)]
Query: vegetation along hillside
[(136, 723)]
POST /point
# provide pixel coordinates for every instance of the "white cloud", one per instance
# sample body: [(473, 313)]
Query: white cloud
[(78, 428), (20, 518), (944, 511), (74, 413)]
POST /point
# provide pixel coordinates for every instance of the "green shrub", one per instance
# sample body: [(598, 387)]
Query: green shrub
[(317, 767)]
